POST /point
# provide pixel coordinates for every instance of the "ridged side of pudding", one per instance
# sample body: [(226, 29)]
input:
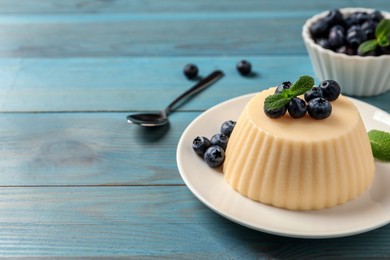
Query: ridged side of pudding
[(299, 164)]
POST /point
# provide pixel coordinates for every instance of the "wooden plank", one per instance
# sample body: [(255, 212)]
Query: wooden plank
[(141, 222), (87, 149), (149, 37), (134, 84), (151, 6)]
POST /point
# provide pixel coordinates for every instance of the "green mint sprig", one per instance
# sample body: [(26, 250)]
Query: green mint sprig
[(382, 34), (380, 144), (303, 84)]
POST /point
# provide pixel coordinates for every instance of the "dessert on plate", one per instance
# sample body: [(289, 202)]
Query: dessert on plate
[(299, 164)]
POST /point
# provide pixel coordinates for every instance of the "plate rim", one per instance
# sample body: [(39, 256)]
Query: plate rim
[(253, 226)]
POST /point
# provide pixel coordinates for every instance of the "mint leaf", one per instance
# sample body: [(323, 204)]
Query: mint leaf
[(382, 34), (367, 46), (275, 101), (383, 42), (301, 86), (383, 29), (380, 144)]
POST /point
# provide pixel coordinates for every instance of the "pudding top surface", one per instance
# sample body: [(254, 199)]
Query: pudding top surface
[(343, 119)]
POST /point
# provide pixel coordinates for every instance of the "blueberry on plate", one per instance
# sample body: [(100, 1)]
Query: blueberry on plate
[(244, 67), (319, 108), (191, 71), (214, 156), (315, 92), (276, 113), (200, 145), (219, 139), (281, 87), (330, 89), (297, 108), (227, 127)]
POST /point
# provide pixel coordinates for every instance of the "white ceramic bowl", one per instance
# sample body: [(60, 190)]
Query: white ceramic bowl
[(357, 76)]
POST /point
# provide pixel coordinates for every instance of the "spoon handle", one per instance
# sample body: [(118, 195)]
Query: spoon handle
[(204, 83)]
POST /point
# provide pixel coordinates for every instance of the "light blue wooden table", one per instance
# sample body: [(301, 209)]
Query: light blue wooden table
[(77, 180)]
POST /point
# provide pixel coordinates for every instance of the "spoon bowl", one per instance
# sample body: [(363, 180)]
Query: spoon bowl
[(148, 119), (161, 118)]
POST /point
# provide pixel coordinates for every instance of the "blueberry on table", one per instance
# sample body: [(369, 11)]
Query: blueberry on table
[(220, 140), (281, 87), (330, 89), (191, 71), (319, 108), (276, 113), (200, 145), (315, 92), (244, 67), (297, 108), (227, 127), (214, 156)]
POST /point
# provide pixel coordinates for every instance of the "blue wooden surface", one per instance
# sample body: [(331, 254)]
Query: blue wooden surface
[(76, 180)]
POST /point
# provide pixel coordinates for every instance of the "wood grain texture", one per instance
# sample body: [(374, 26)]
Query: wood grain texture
[(148, 222), (152, 29), (175, 6), (88, 149), (135, 84)]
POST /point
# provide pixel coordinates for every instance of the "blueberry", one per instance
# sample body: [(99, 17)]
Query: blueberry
[(219, 139), (346, 50), (315, 92), (214, 156), (361, 17), (319, 29), (384, 50), (375, 16), (276, 113), (281, 87), (336, 36), (297, 108), (191, 71), (227, 127), (350, 21), (200, 145), (244, 67), (355, 36), (319, 108), (334, 17), (324, 43), (330, 89), (368, 28)]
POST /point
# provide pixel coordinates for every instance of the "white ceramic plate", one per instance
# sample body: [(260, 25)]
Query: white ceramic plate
[(367, 212)]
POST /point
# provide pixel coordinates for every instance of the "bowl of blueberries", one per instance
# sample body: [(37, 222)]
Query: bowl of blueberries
[(352, 47)]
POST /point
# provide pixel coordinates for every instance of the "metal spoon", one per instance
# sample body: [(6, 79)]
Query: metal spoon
[(161, 118)]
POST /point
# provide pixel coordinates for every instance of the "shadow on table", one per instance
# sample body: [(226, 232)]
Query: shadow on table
[(255, 244), (151, 134)]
